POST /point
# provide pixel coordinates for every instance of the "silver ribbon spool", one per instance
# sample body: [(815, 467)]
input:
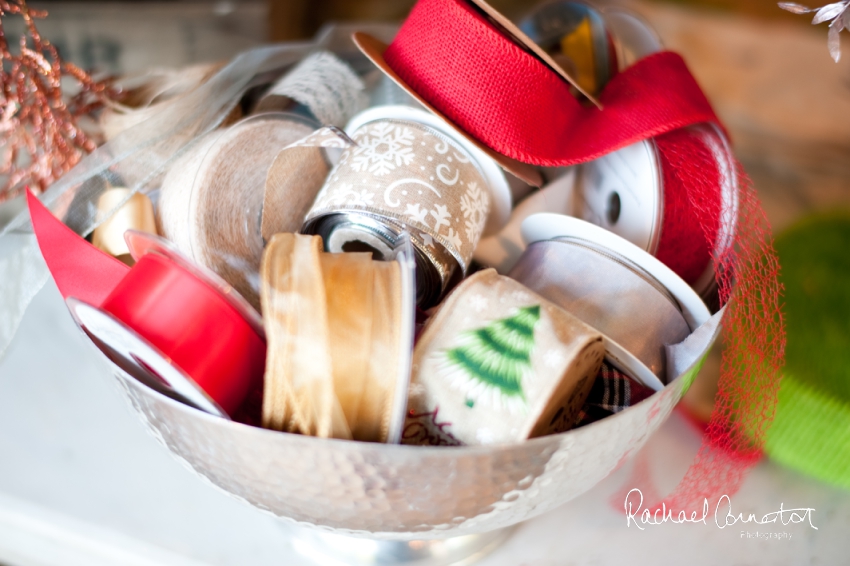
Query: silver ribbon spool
[(609, 292), (410, 174)]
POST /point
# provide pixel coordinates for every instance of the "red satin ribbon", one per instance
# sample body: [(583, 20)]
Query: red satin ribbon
[(185, 318), (512, 102)]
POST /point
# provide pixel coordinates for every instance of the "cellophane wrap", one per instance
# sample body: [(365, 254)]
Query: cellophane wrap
[(139, 157)]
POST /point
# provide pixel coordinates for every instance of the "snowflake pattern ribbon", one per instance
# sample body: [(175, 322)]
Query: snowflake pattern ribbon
[(416, 177)]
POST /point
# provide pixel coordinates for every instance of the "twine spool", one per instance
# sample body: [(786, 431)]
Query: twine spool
[(410, 173), (211, 200)]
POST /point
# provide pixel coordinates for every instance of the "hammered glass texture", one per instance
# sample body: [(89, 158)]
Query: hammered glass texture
[(397, 492)]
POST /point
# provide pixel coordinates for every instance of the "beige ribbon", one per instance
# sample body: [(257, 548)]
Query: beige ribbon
[(335, 341), (136, 213), (498, 364), (407, 177)]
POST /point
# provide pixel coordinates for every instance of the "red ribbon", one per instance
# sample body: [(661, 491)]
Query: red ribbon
[(186, 319), (508, 99)]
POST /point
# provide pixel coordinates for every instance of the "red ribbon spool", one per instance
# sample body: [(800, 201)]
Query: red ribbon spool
[(176, 309), (460, 63)]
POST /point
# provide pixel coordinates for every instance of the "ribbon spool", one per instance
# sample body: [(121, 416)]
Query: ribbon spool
[(507, 94), (340, 331), (321, 86), (633, 37), (411, 173), (630, 296), (165, 319), (577, 38), (189, 318), (498, 364), (592, 45), (388, 93), (675, 197), (134, 212), (503, 250), (212, 198)]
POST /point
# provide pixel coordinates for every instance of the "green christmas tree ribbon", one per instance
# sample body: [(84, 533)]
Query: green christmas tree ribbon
[(499, 354)]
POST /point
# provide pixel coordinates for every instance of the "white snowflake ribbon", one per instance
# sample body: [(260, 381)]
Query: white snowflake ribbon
[(411, 176)]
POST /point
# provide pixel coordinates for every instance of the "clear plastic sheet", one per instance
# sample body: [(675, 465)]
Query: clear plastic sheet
[(139, 157)]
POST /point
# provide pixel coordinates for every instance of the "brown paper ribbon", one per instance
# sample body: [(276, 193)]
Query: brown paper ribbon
[(497, 364), (335, 340), (404, 176)]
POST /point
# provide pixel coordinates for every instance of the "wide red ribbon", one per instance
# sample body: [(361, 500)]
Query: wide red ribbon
[(508, 99), (186, 319)]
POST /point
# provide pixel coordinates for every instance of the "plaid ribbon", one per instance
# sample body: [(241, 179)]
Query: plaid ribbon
[(612, 392)]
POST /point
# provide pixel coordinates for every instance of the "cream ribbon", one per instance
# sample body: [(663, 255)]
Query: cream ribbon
[(327, 86), (336, 347), (134, 212)]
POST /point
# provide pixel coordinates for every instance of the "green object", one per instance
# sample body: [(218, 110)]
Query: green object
[(811, 430), (499, 354)]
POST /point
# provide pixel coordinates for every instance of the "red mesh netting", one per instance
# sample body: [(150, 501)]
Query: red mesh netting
[(685, 156), (746, 272)]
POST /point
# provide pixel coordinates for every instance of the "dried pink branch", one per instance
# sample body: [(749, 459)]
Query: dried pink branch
[(837, 12), (40, 138)]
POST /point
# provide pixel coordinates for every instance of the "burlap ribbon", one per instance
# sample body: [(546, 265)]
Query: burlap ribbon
[(338, 350), (211, 201), (404, 176)]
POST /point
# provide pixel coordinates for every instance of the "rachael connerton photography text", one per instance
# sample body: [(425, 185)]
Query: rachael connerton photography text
[(723, 517)]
